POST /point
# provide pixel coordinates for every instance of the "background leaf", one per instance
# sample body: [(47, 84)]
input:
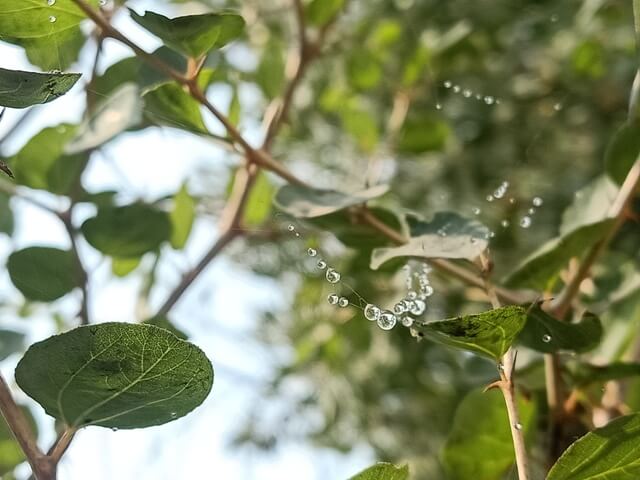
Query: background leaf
[(182, 216), (607, 452), (20, 89), (42, 273), (622, 152), (116, 375)]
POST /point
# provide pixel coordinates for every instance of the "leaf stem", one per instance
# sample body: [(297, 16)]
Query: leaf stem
[(61, 445)]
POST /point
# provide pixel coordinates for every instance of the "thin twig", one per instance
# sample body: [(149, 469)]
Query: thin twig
[(81, 273)]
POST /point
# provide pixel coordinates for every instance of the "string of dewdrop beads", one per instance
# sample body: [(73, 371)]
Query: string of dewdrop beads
[(405, 311)]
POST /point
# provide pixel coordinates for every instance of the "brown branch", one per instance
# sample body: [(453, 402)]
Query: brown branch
[(61, 445), (81, 273)]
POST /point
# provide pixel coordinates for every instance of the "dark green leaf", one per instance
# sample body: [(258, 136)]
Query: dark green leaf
[(169, 104), (36, 19), (540, 270), (585, 374), (549, 335), (128, 231), (120, 111), (622, 152), (489, 333), (19, 89), (421, 134), (479, 444), (6, 214), (10, 342), (448, 235), (163, 322), (193, 35), (320, 12), (303, 202), (182, 216), (610, 452), (42, 273), (383, 471), (116, 375)]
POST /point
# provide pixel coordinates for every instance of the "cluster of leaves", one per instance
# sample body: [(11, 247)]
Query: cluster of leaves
[(397, 394)]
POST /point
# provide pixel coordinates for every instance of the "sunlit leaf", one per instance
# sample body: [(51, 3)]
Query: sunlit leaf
[(489, 334), (168, 104), (37, 19), (479, 444), (609, 452), (121, 267), (182, 216), (193, 35), (115, 375), (20, 89), (260, 201), (42, 273), (447, 235)]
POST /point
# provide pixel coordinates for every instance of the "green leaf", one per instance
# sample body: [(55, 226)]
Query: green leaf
[(489, 334), (479, 444), (547, 334), (320, 12), (303, 202), (260, 200), (448, 235), (622, 152), (163, 322), (270, 74), (168, 104), (610, 452), (361, 125), (67, 45), (11, 454), (38, 19), (182, 216), (424, 133), (120, 111), (6, 214), (116, 375), (591, 205), (42, 164), (383, 471), (42, 273), (585, 374), (128, 231), (193, 35), (10, 342), (121, 267), (20, 89), (363, 69)]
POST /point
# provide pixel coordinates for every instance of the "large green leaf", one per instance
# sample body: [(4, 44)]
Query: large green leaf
[(546, 334), (383, 471), (540, 270), (10, 342), (128, 231), (20, 89), (182, 216), (120, 111), (448, 235), (193, 35), (489, 334), (42, 164), (610, 452), (303, 202), (168, 104), (479, 446), (42, 273), (67, 45), (37, 19), (116, 375), (623, 151)]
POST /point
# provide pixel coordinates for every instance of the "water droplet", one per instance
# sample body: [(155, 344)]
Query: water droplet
[(517, 426), (418, 307), (476, 211), (333, 299), (554, 18), (427, 291), (291, 228), (532, 211), (525, 222), (489, 198), (343, 302), (297, 234), (173, 414), (466, 93), (412, 295), (504, 223), (52, 19), (448, 84), (489, 100), (537, 202), (102, 3), (406, 321), (512, 201), (546, 338), (478, 97), (321, 264), (332, 276), (114, 429), (500, 191), (492, 234), (387, 320), (51, 2), (438, 106), (371, 312), (398, 308), (557, 107), (456, 89), (442, 232), (312, 252)]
